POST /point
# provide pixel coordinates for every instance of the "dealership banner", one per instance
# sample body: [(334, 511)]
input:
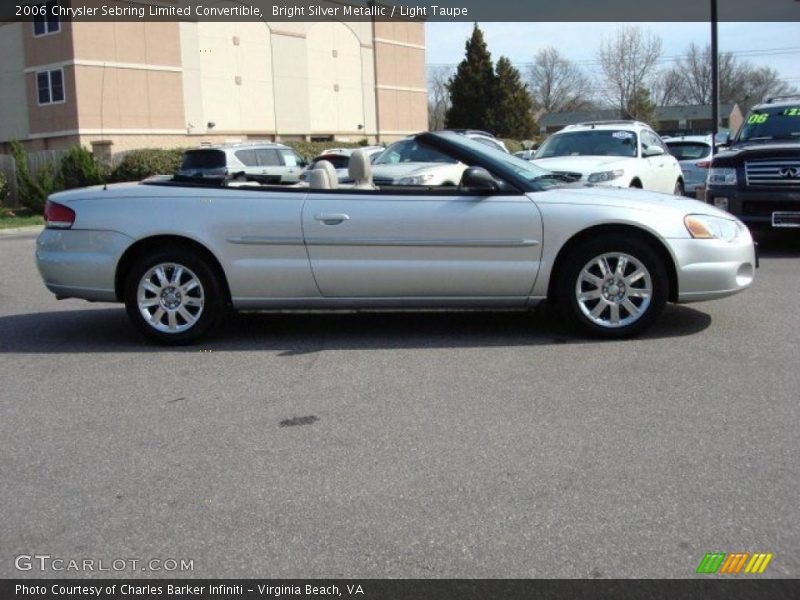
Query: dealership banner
[(397, 589), (395, 10)]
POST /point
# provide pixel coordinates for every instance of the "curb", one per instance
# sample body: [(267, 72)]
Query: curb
[(28, 229)]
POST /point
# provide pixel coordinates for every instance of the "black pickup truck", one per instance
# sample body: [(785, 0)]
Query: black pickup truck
[(758, 177)]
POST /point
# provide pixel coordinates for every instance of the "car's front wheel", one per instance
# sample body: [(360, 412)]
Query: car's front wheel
[(679, 189), (612, 288), (173, 297)]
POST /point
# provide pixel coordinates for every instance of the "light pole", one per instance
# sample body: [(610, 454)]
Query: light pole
[(714, 77)]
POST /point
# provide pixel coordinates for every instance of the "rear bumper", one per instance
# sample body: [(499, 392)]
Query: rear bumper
[(709, 269), (80, 263)]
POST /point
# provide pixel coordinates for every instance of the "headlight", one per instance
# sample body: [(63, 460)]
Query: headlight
[(721, 176), (605, 176), (417, 179), (708, 227)]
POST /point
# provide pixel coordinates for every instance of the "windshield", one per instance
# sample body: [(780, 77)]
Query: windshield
[(203, 159), (408, 151), (596, 142), (689, 150), (773, 123), (522, 168)]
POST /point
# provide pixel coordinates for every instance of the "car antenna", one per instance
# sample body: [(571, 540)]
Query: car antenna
[(102, 107)]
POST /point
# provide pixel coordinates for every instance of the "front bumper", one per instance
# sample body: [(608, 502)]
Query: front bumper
[(80, 263), (709, 269), (755, 206)]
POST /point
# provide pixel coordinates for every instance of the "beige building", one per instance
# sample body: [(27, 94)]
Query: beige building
[(164, 84)]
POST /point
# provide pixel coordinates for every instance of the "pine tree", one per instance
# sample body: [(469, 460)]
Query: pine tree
[(471, 88), (512, 109), (641, 106)]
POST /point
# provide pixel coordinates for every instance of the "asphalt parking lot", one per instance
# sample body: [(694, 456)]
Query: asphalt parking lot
[(441, 444)]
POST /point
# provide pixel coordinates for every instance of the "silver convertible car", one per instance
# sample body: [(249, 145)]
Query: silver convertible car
[(511, 234)]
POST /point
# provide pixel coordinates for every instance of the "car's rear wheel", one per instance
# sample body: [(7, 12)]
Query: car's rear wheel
[(612, 288), (173, 297)]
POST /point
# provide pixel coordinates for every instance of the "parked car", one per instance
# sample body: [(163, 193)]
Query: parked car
[(340, 157), (612, 153), (483, 137), (758, 177), (693, 153), (261, 162), (510, 235), (408, 163)]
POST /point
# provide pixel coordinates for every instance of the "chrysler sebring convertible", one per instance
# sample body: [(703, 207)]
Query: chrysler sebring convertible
[(510, 234)]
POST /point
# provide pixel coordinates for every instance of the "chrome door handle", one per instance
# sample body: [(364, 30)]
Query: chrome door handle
[(332, 218)]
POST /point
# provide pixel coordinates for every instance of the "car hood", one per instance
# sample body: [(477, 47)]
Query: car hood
[(399, 170), (582, 164), (625, 198)]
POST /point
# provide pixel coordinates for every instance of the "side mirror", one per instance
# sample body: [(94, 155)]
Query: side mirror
[(722, 139), (478, 179), (653, 151)]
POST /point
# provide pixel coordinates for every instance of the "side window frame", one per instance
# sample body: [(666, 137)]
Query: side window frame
[(50, 23), (49, 74)]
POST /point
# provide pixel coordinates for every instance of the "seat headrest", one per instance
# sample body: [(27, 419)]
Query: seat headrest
[(318, 179), (330, 170), (359, 168)]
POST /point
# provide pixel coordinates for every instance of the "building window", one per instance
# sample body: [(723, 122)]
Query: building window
[(47, 23), (50, 86)]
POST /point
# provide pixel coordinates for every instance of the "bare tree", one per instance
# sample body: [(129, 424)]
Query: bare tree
[(628, 60), (760, 83), (438, 96), (739, 80), (556, 84), (668, 87)]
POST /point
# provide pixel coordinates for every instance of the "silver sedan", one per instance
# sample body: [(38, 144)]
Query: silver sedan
[(510, 235)]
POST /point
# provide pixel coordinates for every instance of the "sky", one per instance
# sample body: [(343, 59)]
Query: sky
[(773, 44)]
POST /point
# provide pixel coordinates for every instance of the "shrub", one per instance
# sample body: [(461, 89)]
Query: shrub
[(313, 149), (33, 191), (141, 164), (3, 188), (49, 181), (80, 169)]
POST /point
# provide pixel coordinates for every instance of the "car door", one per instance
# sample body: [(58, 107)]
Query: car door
[(659, 167), (425, 246), (249, 161), (293, 166), (270, 165)]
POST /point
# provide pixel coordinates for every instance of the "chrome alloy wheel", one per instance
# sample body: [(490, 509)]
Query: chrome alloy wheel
[(614, 290), (170, 298)]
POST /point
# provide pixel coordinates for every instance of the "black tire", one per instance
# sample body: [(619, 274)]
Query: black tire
[(211, 294), (679, 190), (567, 280)]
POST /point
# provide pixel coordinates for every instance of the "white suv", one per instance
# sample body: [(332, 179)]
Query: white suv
[(613, 153), (264, 162)]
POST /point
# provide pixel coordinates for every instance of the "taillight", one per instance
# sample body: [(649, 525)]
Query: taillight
[(703, 164), (58, 216)]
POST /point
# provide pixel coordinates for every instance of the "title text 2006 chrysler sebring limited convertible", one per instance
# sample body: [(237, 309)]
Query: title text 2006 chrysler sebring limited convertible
[(178, 255)]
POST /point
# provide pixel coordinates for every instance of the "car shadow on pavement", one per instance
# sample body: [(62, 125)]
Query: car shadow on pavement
[(108, 330)]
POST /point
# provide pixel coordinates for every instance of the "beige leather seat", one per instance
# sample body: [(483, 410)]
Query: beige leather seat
[(359, 168), (330, 172)]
